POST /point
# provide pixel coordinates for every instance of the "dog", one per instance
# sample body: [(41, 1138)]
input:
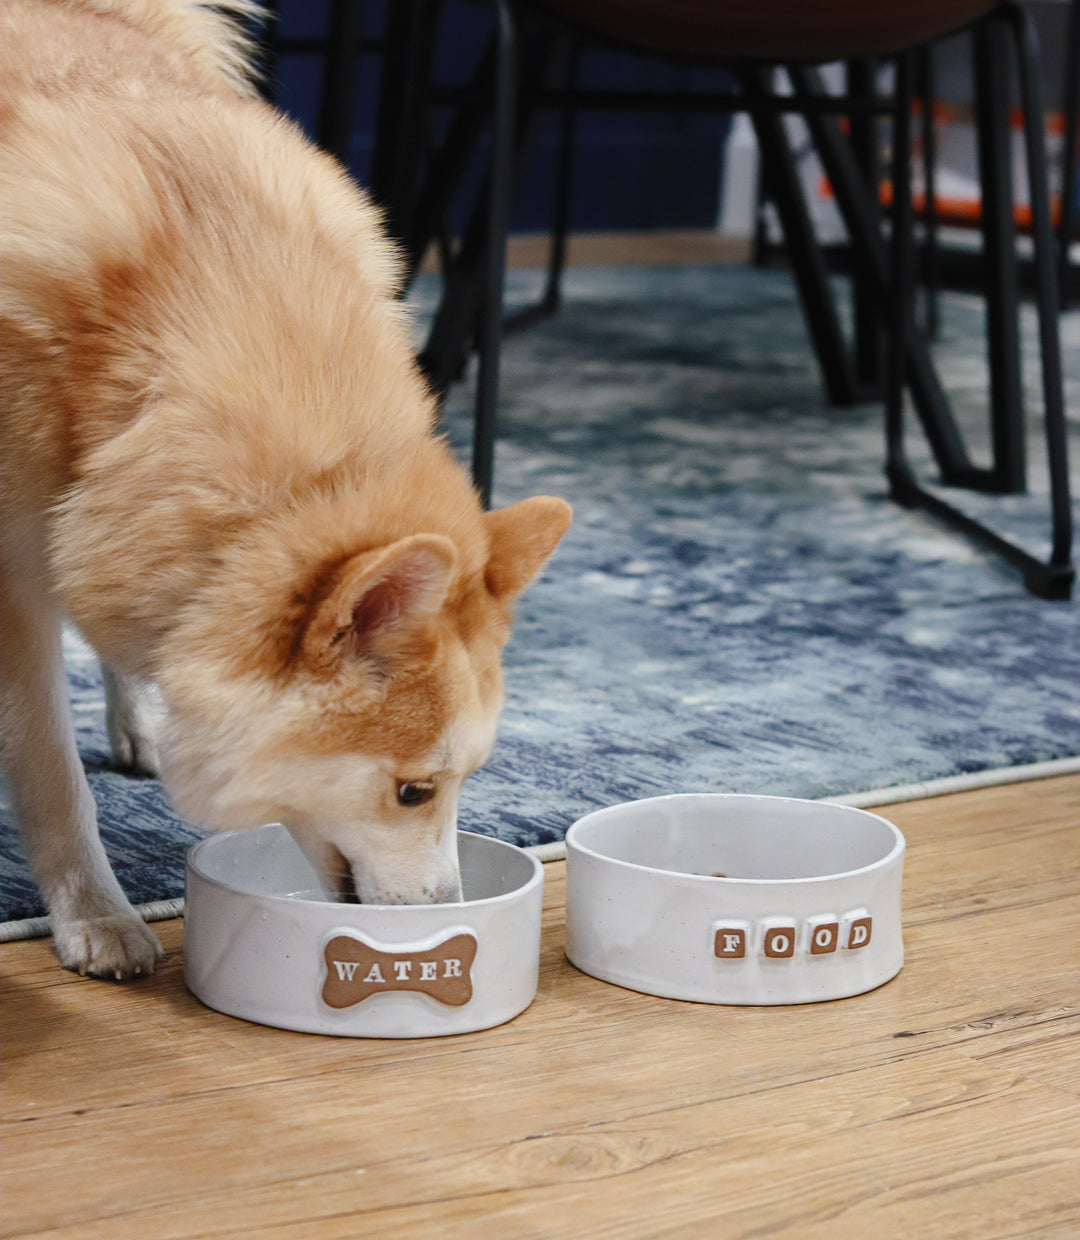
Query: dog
[(220, 462)]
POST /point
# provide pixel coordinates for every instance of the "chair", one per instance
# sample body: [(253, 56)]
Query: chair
[(514, 81)]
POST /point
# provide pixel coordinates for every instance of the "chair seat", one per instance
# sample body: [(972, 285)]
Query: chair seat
[(784, 30)]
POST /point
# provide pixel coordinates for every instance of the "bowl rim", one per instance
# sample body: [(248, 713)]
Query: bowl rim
[(899, 843), (286, 901)]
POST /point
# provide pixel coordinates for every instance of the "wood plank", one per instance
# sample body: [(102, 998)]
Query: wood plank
[(1045, 1052), (960, 863), (785, 1162)]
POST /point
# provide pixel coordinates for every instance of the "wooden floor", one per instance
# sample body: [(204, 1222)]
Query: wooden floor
[(599, 249), (945, 1104)]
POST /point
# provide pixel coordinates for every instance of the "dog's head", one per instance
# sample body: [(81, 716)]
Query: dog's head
[(361, 705)]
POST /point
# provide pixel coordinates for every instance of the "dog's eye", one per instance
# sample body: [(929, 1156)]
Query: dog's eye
[(414, 792)]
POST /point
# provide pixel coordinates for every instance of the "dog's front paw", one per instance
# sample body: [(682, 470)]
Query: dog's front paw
[(132, 717), (120, 946), (134, 748)]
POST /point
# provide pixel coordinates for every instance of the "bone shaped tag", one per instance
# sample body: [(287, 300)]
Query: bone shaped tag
[(355, 970)]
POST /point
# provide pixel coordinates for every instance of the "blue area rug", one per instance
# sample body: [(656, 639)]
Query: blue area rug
[(738, 606)]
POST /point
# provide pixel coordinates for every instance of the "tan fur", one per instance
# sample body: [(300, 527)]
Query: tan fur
[(218, 458)]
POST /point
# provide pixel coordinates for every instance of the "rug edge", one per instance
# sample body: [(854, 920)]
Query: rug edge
[(163, 910), (898, 793), (38, 927)]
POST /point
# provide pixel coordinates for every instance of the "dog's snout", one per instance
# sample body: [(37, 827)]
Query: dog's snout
[(445, 893), (339, 881), (346, 888), (347, 892), (356, 881)]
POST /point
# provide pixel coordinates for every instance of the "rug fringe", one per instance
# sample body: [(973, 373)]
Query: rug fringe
[(949, 784), (38, 927), (161, 910), (906, 792)]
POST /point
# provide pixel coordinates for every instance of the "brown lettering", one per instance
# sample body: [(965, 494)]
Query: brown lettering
[(780, 942), (730, 942), (824, 938), (355, 970)]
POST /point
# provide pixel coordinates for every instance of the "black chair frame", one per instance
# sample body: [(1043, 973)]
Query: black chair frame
[(520, 75)]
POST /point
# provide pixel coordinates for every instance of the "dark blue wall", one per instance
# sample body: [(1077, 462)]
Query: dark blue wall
[(632, 171)]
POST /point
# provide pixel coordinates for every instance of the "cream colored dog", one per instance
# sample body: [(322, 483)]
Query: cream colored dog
[(219, 461)]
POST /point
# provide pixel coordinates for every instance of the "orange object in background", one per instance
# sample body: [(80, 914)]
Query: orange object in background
[(950, 208)]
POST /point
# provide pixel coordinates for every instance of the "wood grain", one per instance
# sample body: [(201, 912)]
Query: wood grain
[(944, 1104)]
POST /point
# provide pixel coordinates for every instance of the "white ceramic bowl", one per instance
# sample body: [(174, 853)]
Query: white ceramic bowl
[(259, 943), (809, 908)]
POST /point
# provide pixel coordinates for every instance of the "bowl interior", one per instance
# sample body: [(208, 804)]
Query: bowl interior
[(268, 862), (739, 837)]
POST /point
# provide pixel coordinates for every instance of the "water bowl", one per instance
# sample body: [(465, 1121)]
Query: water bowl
[(262, 944)]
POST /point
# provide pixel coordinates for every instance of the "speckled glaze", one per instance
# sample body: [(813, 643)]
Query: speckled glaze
[(809, 907)]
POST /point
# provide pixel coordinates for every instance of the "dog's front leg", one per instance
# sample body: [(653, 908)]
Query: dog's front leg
[(130, 722), (95, 929)]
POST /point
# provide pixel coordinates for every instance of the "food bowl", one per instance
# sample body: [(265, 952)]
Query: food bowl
[(735, 899), (261, 943)]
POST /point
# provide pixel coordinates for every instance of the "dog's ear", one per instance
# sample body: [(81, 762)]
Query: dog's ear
[(522, 537), (379, 597)]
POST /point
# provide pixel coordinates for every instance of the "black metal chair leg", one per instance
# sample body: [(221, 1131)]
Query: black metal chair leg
[(449, 163), (1052, 579), (455, 328), (1060, 570), (409, 49), (269, 52), (899, 316), (564, 189), (931, 264), (1070, 180), (999, 255), (551, 298), (339, 77), (864, 292), (500, 192), (804, 253), (857, 203)]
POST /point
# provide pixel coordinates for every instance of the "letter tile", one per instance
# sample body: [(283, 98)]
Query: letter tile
[(823, 935), (856, 929), (730, 939), (779, 941)]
